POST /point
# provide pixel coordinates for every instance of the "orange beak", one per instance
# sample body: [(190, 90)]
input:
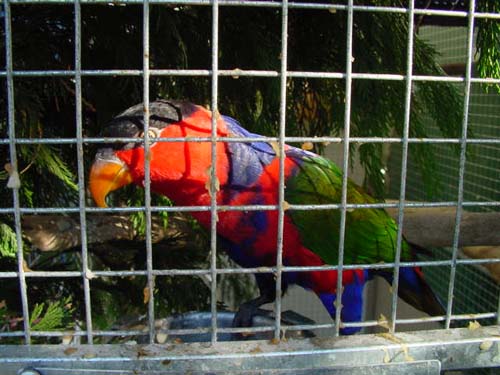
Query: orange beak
[(108, 173)]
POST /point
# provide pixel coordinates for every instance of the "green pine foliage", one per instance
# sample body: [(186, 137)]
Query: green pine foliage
[(488, 43), (55, 315), (138, 219), (52, 316), (8, 242), (46, 159)]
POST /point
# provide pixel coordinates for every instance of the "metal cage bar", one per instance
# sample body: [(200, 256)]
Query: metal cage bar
[(62, 210), (14, 182), (147, 172), (243, 73), (404, 165), (270, 4), (281, 155), (213, 170), (98, 140), (81, 174), (198, 272), (463, 147), (343, 199)]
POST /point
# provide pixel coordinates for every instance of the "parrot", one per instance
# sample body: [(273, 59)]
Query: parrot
[(247, 173)]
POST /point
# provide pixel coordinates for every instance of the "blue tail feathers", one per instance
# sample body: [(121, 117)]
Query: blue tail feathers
[(414, 290), (352, 304)]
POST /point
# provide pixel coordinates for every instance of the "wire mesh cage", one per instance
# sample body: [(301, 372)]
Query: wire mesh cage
[(118, 298)]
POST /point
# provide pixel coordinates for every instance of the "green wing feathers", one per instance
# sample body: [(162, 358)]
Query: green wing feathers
[(370, 235)]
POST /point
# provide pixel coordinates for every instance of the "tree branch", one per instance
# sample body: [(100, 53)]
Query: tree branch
[(483, 252), (61, 232), (426, 227), (434, 226)]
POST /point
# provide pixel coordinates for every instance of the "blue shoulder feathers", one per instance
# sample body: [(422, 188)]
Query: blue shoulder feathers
[(247, 160)]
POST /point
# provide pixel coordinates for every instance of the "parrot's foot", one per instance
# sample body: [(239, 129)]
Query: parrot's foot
[(245, 314), (247, 311)]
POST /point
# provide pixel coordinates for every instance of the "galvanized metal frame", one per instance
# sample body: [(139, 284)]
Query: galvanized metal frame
[(214, 73), (363, 354)]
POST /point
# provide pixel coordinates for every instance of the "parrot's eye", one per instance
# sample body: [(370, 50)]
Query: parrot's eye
[(152, 133)]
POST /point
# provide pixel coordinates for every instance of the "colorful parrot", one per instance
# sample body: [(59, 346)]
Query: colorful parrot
[(247, 174)]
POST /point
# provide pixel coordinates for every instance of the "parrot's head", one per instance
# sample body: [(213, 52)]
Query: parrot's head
[(119, 164)]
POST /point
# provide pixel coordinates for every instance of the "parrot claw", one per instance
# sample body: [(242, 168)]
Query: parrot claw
[(246, 312), (248, 316), (244, 317)]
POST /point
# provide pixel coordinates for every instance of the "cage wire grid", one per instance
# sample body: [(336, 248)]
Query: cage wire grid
[(86, 274)]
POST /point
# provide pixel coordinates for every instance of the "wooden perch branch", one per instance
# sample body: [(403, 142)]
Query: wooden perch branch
[(426, 227), (61, 232), (434, 226), (484, 252)]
